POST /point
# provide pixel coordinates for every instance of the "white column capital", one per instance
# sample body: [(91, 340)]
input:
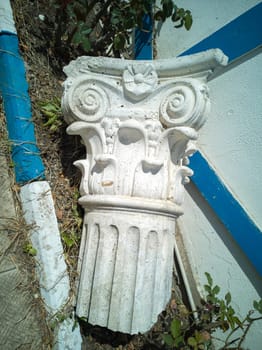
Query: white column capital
[(138, 121)]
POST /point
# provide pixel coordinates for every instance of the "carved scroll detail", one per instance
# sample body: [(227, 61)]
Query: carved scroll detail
[(138, 122), (186, 103)]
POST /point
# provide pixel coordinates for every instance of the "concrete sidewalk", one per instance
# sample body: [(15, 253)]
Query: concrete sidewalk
[(21, 323)]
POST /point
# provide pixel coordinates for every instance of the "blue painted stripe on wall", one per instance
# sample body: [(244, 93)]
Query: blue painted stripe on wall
[(230, 212), (236, 38), (14, 89), (143, 40)]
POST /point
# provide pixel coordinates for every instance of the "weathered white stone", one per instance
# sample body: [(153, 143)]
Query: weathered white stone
[(138, 121), (38, 207), (7, 23), (68, 336)]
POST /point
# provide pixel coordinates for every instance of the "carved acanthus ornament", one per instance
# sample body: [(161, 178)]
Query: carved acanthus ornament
[(138, 121)]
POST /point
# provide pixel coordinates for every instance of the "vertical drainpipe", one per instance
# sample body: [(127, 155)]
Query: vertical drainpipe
[(35, 193), (144, 51), (28, 164)]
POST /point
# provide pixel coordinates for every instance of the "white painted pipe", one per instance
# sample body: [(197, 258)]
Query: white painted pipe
[(39, 212)]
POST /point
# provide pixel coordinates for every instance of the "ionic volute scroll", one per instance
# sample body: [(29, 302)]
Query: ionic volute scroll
[(138, 121)]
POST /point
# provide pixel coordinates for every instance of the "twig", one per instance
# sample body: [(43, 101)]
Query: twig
[(247, 329), (9, 246)]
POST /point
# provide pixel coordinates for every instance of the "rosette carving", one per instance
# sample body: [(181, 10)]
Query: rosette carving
[(185, 105), (139, 81), (138, 122), (85, 101)]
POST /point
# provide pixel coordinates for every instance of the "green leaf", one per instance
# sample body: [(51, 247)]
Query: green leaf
[(188, 21), (168, 339), (198, 337), (68, 239), (115, 20), (224, 326), (167, 7), (83, 319), (207, 288), (48, 107), (159, 15), (175, 328), (29, 249), (258, 305), (255, 305), (192, 341), (216, 290), (209, 279), (211, 299), (228, 298), (222, 305), (175, 17), (86, 31), (119, 41), (181, 12), (129, 22), (231, 311), (54, 127), (179, 341), (231, 321), (205, 316), (86, 44), (77, 38), (116, 16), (70, 11), (238, 322), (51, 120)]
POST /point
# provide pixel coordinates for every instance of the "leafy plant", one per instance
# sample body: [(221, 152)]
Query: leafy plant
[(69, 238), (29, 249), (215, 313), (72, 226), (105, 27), (53, 113)]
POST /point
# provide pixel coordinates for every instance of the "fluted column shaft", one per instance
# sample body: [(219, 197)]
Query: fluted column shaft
[(138, 121)]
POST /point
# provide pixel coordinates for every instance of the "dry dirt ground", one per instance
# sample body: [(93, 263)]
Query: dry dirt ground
[(58, 151)]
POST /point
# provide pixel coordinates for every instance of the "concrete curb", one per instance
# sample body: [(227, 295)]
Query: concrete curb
[(36, 198)]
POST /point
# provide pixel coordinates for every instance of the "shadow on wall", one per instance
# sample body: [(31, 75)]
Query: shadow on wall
[(226, 237)]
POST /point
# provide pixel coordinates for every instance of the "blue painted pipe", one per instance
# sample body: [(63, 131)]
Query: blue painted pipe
[(28, 164)]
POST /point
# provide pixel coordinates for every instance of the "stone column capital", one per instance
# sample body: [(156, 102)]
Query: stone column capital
[(139, 122), (149, 110), (171, 90)]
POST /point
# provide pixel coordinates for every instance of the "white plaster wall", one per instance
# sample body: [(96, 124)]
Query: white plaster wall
[(231, 139), (210, 248), (208, 17)]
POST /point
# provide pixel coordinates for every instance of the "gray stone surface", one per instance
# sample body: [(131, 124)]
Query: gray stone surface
[(20, 315)]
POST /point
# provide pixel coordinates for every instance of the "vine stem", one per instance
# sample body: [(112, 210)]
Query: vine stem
[(242, 338), (251, 320)]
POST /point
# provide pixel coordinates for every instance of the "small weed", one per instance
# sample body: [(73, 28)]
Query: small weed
[(71, 228), (52, 111), (215, 313), (70, 239), (29, 249)]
